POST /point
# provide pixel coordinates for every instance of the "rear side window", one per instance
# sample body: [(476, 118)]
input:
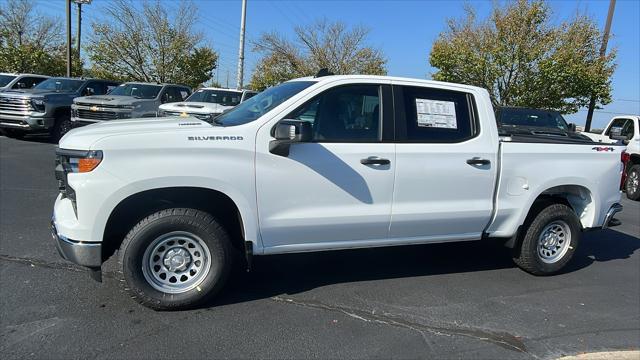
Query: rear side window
[(434, 115), (622, 127)]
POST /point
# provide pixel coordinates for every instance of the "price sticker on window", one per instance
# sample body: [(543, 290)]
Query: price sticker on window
[(436, 113)]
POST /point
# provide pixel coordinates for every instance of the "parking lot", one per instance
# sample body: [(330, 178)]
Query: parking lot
[(445, 300)]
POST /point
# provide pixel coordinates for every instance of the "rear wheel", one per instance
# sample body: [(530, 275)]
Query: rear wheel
[(549, 240), (174, 259), (632, 184)]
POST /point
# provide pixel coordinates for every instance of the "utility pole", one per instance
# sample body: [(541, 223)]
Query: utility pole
[(241, 49), (227, 79), (80, 3), (79, 27), (68, 38), (603, 52)]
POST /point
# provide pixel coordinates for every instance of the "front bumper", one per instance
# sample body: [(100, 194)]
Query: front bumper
[(81, 253), (25, 122)]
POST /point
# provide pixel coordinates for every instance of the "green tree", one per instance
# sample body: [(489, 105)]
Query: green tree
[(523, 59), (323, 44), (147, 43), (31, 42)]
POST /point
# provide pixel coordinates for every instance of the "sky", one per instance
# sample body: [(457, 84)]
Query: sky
[(403, 30)]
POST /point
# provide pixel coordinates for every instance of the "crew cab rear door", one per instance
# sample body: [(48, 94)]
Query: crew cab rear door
[(445, 165), (335, 191)]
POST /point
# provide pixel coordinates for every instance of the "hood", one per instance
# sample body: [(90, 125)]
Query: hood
[(35, 92), (195, 107), (109, 100), (82, 138)]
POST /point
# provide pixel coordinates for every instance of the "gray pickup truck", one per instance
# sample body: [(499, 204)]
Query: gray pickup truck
[(46, 107), (129, 100)]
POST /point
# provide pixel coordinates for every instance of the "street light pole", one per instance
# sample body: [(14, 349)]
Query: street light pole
[(603, 52), (241, 48), (79, 28), (68, 38)]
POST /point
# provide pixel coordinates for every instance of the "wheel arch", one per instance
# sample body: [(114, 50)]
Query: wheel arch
[(131, 209)]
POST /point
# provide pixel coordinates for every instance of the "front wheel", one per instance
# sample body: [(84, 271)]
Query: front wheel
[(174, 259), (61, 126), (549, 240), (632, 184)]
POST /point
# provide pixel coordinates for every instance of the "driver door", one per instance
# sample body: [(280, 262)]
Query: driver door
[(335, 191)]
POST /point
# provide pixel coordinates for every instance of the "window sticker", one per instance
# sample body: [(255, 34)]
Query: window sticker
[(436, 113)]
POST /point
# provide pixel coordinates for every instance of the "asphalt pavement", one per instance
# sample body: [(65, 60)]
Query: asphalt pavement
[(464, 300)]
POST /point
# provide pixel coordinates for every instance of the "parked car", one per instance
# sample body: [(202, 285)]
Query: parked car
[(626, 130), (206, 103), (20, 81), (324, 163), (129, 100), (46, 107), (529, 121)]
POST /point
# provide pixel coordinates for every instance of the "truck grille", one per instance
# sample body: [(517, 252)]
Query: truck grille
[(97, 115), (11, 104)]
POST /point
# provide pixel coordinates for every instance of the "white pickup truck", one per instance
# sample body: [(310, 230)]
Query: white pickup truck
[(626, 130), (321, 163)]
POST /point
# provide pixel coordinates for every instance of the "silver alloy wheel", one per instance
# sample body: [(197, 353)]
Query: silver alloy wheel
[(176, 262), (554, 241), (632, 182)]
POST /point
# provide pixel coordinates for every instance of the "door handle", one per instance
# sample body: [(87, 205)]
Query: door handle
[(374, 160), (478, 161)]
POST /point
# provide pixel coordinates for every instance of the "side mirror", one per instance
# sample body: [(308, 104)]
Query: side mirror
[(288, 132), (572, 127), (624, 139)]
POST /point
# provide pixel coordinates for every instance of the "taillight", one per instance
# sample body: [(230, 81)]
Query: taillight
[(624, 159)]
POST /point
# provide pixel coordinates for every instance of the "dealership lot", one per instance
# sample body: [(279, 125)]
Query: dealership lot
[(446, 300)]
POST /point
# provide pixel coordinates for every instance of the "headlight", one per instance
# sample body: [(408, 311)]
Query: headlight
[(83, 161), (38, 104)]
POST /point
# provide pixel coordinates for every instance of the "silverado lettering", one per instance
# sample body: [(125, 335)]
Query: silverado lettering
[(205, 138)]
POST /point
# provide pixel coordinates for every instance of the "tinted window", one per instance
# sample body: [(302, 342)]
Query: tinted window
[(222, 97), (343, 114), (435, 116), (60, 84), (140, 91), (262, 103), (531, 118), (623, 127), (172, 94), (248, 95), (6, 79), (94, 88), (27, 82)]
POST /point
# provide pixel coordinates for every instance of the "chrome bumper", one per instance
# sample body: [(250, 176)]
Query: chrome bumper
[(81, 253), (614, 209)]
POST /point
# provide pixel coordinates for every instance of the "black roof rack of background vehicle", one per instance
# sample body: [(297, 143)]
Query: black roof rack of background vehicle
[(323, 72)]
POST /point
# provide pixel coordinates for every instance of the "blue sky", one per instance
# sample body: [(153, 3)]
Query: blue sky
[(404, 30)]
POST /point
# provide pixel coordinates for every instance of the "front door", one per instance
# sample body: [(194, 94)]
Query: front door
[(335, 191)]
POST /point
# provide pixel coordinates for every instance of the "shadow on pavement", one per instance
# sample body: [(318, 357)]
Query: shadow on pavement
[(295, 273)]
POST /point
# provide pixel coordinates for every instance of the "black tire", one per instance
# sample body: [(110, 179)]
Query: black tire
[(631, 186), (13, 133), (131, 258), (61, 126), (529, 254)]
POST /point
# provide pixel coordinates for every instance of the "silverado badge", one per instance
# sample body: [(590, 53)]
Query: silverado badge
[(94, 108)]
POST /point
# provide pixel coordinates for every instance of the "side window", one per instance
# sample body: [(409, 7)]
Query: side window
[(110, 86), (184, 93), (436, 116), (248, 95), (94, 88), (27, 82), (343, 114), (622, 127), (171, 94)]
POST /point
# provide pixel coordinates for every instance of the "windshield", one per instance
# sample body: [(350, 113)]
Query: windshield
[(60, 84), (6, 79), (226, 98), (262, 103), (532, 118), (139, 91)]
